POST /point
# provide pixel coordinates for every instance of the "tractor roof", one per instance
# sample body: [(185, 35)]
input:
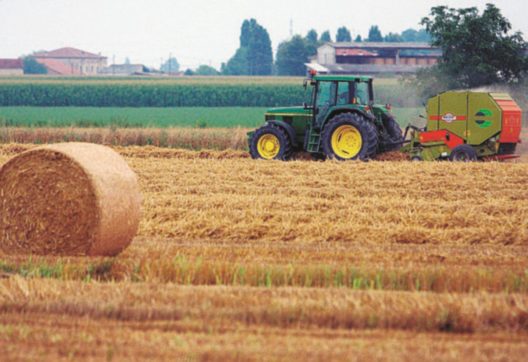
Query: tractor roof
[(342, 78)]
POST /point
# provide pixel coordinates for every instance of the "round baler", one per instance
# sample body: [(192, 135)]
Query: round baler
[(466, 126)]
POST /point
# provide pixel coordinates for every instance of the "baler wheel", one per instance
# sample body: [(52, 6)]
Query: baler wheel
[(463, 153)]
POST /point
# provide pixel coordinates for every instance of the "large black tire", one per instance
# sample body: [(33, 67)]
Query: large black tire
[(393, 139), (375, 139), (463, 153), (367, 130), (285, 150)]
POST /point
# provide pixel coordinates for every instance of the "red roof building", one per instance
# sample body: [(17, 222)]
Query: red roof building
[(11, 67), (56, 67), (374, 58), (71, 61), (68, 53), (355, 53)]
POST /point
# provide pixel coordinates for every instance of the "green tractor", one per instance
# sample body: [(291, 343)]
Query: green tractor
[(340, 122)]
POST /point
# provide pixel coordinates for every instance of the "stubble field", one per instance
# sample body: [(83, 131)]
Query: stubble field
[(238, 259)]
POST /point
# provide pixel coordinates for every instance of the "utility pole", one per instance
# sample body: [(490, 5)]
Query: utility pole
[(170, 63), (113, 64), (291, 28)]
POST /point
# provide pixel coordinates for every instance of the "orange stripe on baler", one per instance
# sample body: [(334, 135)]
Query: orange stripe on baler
[(447, 137)]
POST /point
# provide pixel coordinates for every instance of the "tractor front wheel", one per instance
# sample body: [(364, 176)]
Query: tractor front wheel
[(349, 136), (463, 153), (270, 143)]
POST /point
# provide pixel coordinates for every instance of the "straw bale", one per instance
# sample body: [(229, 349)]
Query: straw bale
[(68, 199)]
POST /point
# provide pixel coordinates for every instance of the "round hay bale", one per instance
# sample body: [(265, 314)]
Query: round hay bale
[(68, 199)]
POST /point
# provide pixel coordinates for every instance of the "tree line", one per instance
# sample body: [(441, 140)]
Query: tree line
[(254, 55)]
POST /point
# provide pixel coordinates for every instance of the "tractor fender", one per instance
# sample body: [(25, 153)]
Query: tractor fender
[(288, 128), (367, 115), (335, 112)]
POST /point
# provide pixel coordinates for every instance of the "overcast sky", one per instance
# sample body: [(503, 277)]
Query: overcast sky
[(201, 31)]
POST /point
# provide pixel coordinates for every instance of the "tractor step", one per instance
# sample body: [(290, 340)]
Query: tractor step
[(314, 142)]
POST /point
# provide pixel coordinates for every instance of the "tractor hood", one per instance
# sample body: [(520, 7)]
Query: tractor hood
[(294, 111)]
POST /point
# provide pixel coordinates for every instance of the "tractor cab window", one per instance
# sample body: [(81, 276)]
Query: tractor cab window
[(344, 93), (309, 96), (326, 94), (362, 93)]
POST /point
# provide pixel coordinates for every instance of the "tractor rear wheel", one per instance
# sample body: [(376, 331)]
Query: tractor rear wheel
[(393, 135), (349, 136), (270, 142), (463, 153)]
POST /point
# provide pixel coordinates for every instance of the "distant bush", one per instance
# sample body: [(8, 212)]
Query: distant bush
[(200, 124)]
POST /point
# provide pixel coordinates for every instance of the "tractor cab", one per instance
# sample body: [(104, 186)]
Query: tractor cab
[(334, 92)]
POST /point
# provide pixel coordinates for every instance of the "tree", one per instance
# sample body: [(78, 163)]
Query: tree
[(291, 57), (325, 37), (260, 54), (375, 34), (188, 71), (254, 56), (409, 35), (343, 35), (494, 56), (312, 42), (170, 66), (31, 66), (412, 35), (358, 39), (206, 70), (312, 36), (393, 38), (127, 60), (423, 36), (245, 34), (238, 64)]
